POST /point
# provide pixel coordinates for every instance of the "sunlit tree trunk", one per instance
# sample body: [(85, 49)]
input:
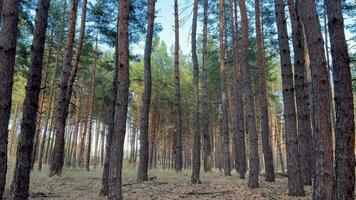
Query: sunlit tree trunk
[(117, 147), (14, 129)]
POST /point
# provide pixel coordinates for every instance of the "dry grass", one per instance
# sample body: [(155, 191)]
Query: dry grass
[(75, 184)]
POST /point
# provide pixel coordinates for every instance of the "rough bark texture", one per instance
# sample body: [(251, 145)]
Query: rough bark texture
[(224, 100), (249, 106), (239, 110), (295, 185), (263, 97), (204, 102), (57, 160), (301, 93), (21, 178), (178, 107), (345, 124), (117, 147), (1, 2), (323, 186), (196, 123), (7, 61), (146, 98)]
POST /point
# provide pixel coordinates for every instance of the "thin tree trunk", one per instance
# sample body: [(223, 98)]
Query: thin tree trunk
[(8, 35), (263, 97), (295, 184), (345, 124), (249, 106), (146, 98), (178, 107), (57, 160), (21, 178), (204, 103), (196, 123), (324, 183), (72, 157), (303, 117), (117, 147), (14, 129), (96, 147), (224, 100)]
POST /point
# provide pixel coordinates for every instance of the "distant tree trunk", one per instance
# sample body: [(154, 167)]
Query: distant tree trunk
[(278, 143), (224, 100), (196, 123), (345, 124), (304, 128), (21, 178), (178, 107), (102, 146), (52, 92), (83, 134), (204, 102), (57, 160), (91, 103), (14, 129), (72, 157), (323, 186), (8, 35), (249, 106), (104, 191), (263, 97), (146, 97), (117, 147), (96, 147), (295, 184)]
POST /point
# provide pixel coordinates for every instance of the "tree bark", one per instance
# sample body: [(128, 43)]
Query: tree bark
[(345, 124), (14, 129), (8, 35), (1, 2), (323, 186), (224, 100), (117, 147), (196, 123), (207, 160), (74, 147), (57, 160), (21, 178), (146, 97), (263, 97), (295, 184), (301, 92), (178, 107), (249, 106)]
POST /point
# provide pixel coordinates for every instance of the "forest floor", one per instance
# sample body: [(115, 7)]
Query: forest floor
[(75, 184)]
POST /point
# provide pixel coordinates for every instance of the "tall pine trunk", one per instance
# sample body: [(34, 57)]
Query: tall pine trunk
[(196, 123), (178, 155), (8, 36), (295, 184), (21, 178), (263, 97), (301, 93), (224, 100), (345, 124), (57, 160), (146, 98), (117, 147), (207, 160), (324, 184), (254, 163)]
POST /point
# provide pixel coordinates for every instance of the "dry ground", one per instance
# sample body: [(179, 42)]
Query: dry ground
[(77, 184)]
